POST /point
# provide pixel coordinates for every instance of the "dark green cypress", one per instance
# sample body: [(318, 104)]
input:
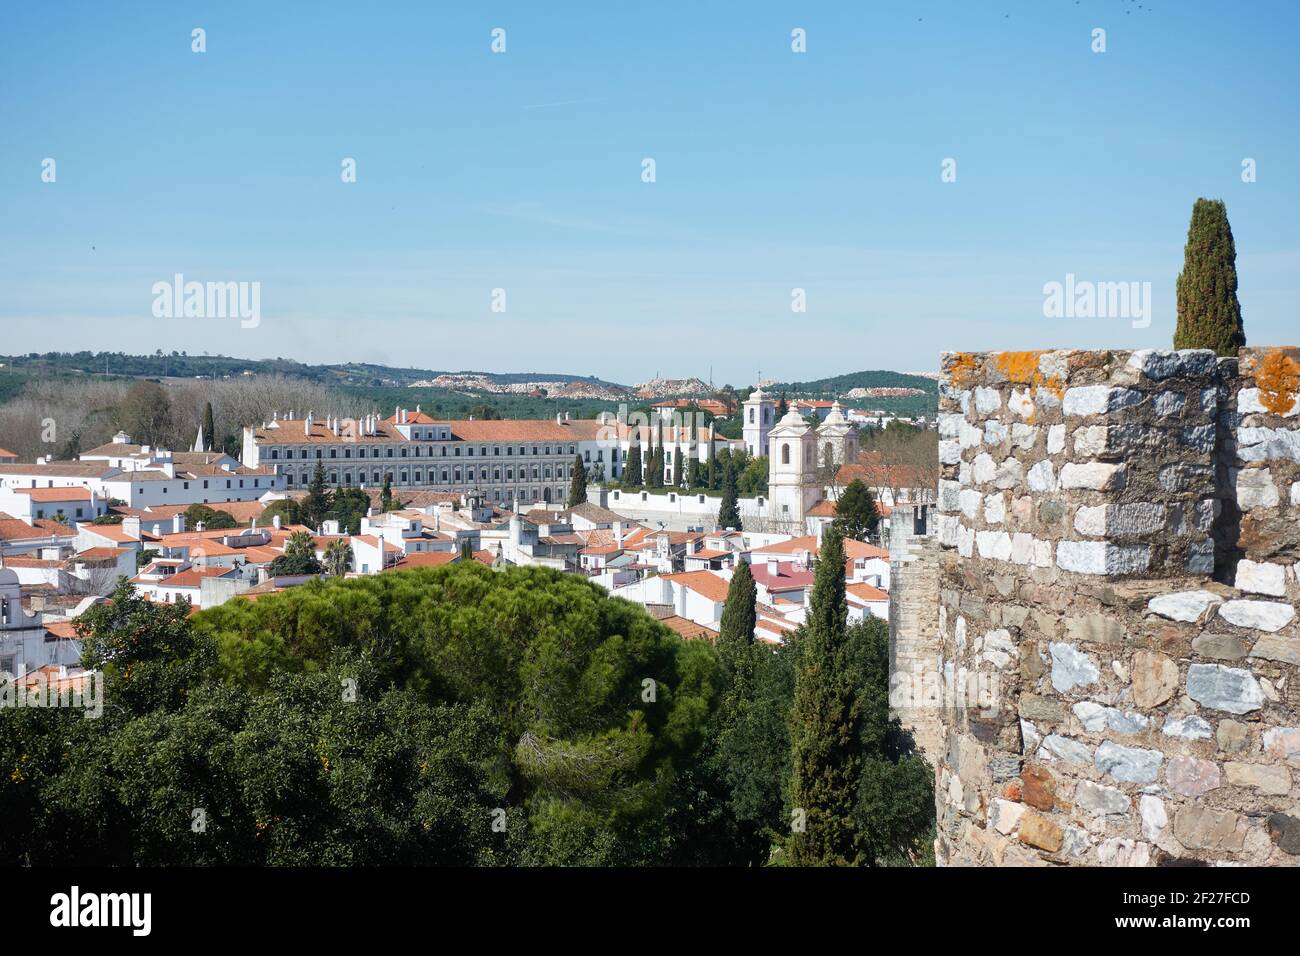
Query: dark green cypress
[(632, 466), (729, 510), (825, 725), (739, 616), (578, 483), (209, 428), (1209, 315)]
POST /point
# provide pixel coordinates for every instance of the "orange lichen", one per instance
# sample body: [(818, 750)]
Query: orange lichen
[(1021, 368), (964, 365), (1278, 379)]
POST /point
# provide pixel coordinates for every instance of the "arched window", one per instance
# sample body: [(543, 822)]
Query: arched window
[(785, 454)]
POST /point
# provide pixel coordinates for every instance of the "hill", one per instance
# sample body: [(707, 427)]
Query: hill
[(354, 374), (888, 391)]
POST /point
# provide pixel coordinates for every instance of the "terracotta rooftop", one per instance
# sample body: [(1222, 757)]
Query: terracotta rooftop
[(710, 585)]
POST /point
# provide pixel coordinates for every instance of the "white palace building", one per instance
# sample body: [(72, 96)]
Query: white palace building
[(532, 460), (504, 460)]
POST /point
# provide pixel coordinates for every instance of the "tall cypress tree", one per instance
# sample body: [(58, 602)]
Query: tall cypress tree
[(1209, 315), (825, 724), (679, 469), (632, 466), (578, 483), (729, 510), (739, 616), (655, 473), (318, 501), (209, 427)]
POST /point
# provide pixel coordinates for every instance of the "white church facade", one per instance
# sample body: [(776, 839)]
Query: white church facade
[(802, 458)]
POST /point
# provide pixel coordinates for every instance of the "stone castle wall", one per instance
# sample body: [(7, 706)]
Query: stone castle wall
[(913, 623), (1117, 634)]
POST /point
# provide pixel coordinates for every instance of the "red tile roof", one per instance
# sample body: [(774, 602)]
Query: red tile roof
[(787, 577), (191, 577), (706, 583), (867, 592), (54, 494), (100, 554), (11, 529), (688, 628)]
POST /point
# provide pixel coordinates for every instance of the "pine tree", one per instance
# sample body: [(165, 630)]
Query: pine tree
[(632, 466), (209, 427), (729, 510), (1209, 315), (855, 512), (825, 725), (578, 483)]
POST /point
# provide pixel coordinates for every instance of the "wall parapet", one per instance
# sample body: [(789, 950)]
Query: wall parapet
[(1119, 535)]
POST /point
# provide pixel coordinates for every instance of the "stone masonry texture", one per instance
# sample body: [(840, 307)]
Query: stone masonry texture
[(1117, 638)]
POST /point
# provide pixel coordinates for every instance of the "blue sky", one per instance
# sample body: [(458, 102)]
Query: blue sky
[(522, 171)]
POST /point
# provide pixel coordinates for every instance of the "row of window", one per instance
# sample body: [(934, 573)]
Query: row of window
[(447, 475), (185, 485), (40, 513), (496, 451)]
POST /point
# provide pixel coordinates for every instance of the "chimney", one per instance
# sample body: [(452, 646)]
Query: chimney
[(618, 533), (275, 521), (131, 527), (773, 567), (178, 523), (680, 598), (381, 552)]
